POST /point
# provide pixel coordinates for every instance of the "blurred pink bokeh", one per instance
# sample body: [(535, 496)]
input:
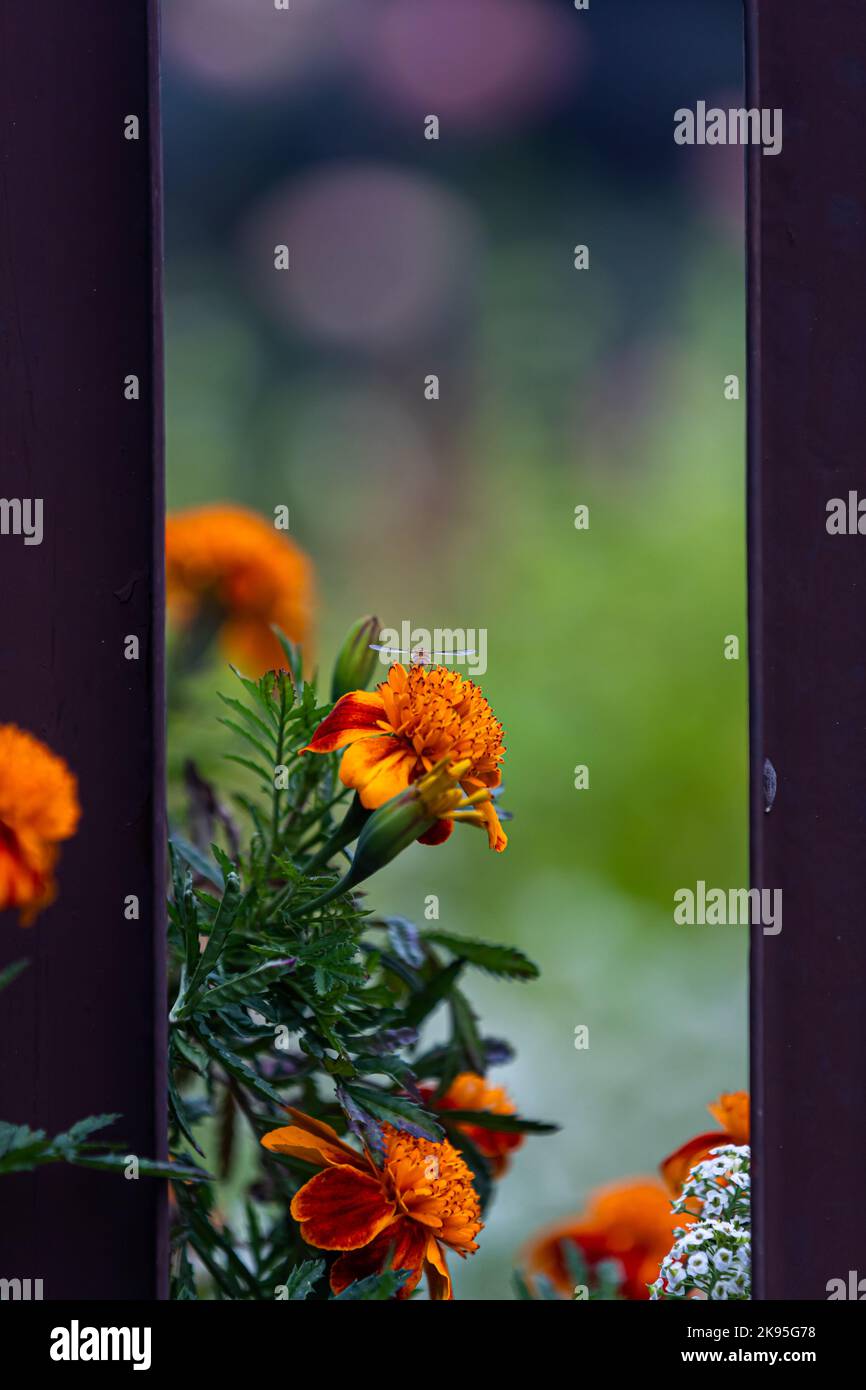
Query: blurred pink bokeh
[(385, 256), (477, 64)]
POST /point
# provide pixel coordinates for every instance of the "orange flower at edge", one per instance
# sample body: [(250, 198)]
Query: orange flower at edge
[(469, 1091), (38, 809), (234, 562), (629, 1221), (731, 1110), (408, 725), (420, 1203)]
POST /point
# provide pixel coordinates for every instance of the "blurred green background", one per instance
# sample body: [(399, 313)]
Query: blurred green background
[(559, 387)]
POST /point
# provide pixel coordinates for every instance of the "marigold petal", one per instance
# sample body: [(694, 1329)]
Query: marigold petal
[(378, 768), (732, 1112), (39, 807), (354, 716), (675, 1168), (342, 1208), (408, 1243), (438, 1278), (437, 834), (295, 1142), (496, 836), (630, 1221), (229, 566)]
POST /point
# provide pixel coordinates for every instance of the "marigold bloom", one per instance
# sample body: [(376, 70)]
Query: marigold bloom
[(411, 722), (629, 1221), (231, 567), (419, 1203), (731, 1110), (38, 808), (469, 1091)]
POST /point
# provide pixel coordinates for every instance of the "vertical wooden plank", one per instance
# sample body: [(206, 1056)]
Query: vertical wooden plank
[(82, 1031), (807, 424)]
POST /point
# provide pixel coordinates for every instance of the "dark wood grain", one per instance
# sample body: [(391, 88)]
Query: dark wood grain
[(807, 425), (82, 1031)]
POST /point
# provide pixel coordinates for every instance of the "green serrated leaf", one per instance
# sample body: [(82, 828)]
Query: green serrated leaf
[(434, 991), (147, 1167), (396, 1111), (265, 774), (502, 1124), (238, 988), (83, 1128), (219, 933), (376, 1288), (466, 1032), (301, 1281), (236, 1067), (506, 962)]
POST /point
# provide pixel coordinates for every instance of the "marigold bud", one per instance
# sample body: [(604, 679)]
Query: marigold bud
[(394, 826), (356, 661)]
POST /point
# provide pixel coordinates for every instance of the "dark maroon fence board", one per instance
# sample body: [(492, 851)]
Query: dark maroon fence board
[(807, 426), (82, 1031)]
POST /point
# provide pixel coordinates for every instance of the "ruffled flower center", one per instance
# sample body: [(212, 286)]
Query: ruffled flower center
[(432, 1185), (440, 714)]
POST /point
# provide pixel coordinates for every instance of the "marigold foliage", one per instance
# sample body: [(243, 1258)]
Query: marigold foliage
[(289, 993)]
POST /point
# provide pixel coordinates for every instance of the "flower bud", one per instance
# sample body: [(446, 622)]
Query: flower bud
[(394, 826), (356, 661)]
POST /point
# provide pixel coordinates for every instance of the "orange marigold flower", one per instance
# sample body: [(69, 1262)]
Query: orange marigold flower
[(228, 566), (409, 724), (38, 808), (469, 1091), (629, 1221), (731, 1110), (419, 1204)]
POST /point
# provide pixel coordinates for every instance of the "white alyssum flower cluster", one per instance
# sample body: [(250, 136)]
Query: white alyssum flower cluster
[(712, 1257)]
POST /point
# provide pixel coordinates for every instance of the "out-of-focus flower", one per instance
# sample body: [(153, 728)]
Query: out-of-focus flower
[(481, 66), (629, 1222), (731, 1110), (356, 660), (249, 48), (419, 1204), (229, 570), (411, 723), (469, 1091), (38, 808), (413, 266)]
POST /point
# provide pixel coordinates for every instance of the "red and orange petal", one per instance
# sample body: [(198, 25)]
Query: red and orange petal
[(39, 808), (312, 1141), (26, 874), (236, 561), (438, 833), (630, 1222), (421, 1199), (356, 715), (677, 1166), (469, 1091), (732, 1111), (402, 1245), (342, 1208)]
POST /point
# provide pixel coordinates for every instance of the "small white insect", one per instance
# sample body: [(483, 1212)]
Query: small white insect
[(420, 656)]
